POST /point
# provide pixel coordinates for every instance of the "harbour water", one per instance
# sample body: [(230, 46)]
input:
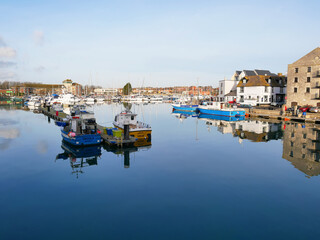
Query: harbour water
[(199, 179)]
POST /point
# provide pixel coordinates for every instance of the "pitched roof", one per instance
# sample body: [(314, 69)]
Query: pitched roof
[(256, 81), (231, 94), (310, 58), (249, 72), (264, 72)]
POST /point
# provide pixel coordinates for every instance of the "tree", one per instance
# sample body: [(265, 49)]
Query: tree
[(127, 89)]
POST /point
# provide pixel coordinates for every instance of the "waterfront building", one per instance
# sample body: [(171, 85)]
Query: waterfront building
[(225, 87), (72, 87), (106, 91), (262, 89), (304, 80)]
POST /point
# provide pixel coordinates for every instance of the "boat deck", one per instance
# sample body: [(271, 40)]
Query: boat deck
[(113, 141)]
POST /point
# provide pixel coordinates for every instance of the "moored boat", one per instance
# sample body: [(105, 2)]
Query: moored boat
[(137, 129), (81, 131), (217, 108)]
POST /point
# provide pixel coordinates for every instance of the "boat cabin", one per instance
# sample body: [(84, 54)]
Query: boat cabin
[(126, 118), (81, 125)]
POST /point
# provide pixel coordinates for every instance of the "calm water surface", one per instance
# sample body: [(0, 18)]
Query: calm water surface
[(200, 179)]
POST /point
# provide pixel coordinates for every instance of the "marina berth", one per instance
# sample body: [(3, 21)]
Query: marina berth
[(217, 108), (137, 129)]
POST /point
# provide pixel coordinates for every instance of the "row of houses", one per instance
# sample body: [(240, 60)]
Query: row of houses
[(254, 87), (300, 87)]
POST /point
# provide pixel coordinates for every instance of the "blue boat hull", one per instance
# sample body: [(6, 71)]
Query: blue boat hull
[(231, 113), (186, 113), (223, 118), (188, 108), (82, 140)]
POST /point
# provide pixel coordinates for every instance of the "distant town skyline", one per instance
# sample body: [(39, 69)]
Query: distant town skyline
[(149, 43)]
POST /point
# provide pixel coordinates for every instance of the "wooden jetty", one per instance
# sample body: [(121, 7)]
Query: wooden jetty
[(114, 141), (107, 139), (53, 114)]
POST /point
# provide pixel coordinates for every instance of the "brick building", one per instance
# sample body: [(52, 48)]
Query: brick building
[(303, 85)]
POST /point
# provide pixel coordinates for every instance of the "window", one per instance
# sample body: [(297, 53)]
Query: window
[(296, 70), (265, 89), (295, 79), (308, 79), (281, 90), (272, 89), (249, 97), (304, 135), (258, 98), (295, 90), (303, 156), (265, 98), (292, 134), (291, 144), (241, 89), (291, 154), (132, 117), (307, 90), (309, 69)]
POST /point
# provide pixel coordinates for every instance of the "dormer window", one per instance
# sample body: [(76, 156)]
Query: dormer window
[(244, 80), (269, 80)]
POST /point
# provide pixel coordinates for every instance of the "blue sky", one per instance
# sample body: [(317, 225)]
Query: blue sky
[(152, 43)]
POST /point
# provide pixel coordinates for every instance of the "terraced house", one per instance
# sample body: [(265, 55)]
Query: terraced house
[(262, 89), (304, 80)]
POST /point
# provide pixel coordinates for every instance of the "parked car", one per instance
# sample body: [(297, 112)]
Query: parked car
[(305, 108), (277, 104), (244, 106), (314, 110)]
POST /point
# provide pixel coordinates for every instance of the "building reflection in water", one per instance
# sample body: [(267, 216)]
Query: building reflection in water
[(79, 157), (301, 143), (258, 131), (141, 144), (301, 146)]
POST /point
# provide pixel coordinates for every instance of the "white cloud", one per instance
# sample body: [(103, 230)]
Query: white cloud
[(7, 52), (8, 76), (38, 37), (5, 64)]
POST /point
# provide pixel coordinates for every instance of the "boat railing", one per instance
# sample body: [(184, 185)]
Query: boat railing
[(144, 125)]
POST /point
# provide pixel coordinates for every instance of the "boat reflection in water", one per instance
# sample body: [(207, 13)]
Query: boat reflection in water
[(183, 114), (140, 144), (79, 157)]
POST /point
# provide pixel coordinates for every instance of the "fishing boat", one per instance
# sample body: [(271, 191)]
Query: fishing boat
[(81, 131), (137, 129), (180, 106), (217, 108)]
